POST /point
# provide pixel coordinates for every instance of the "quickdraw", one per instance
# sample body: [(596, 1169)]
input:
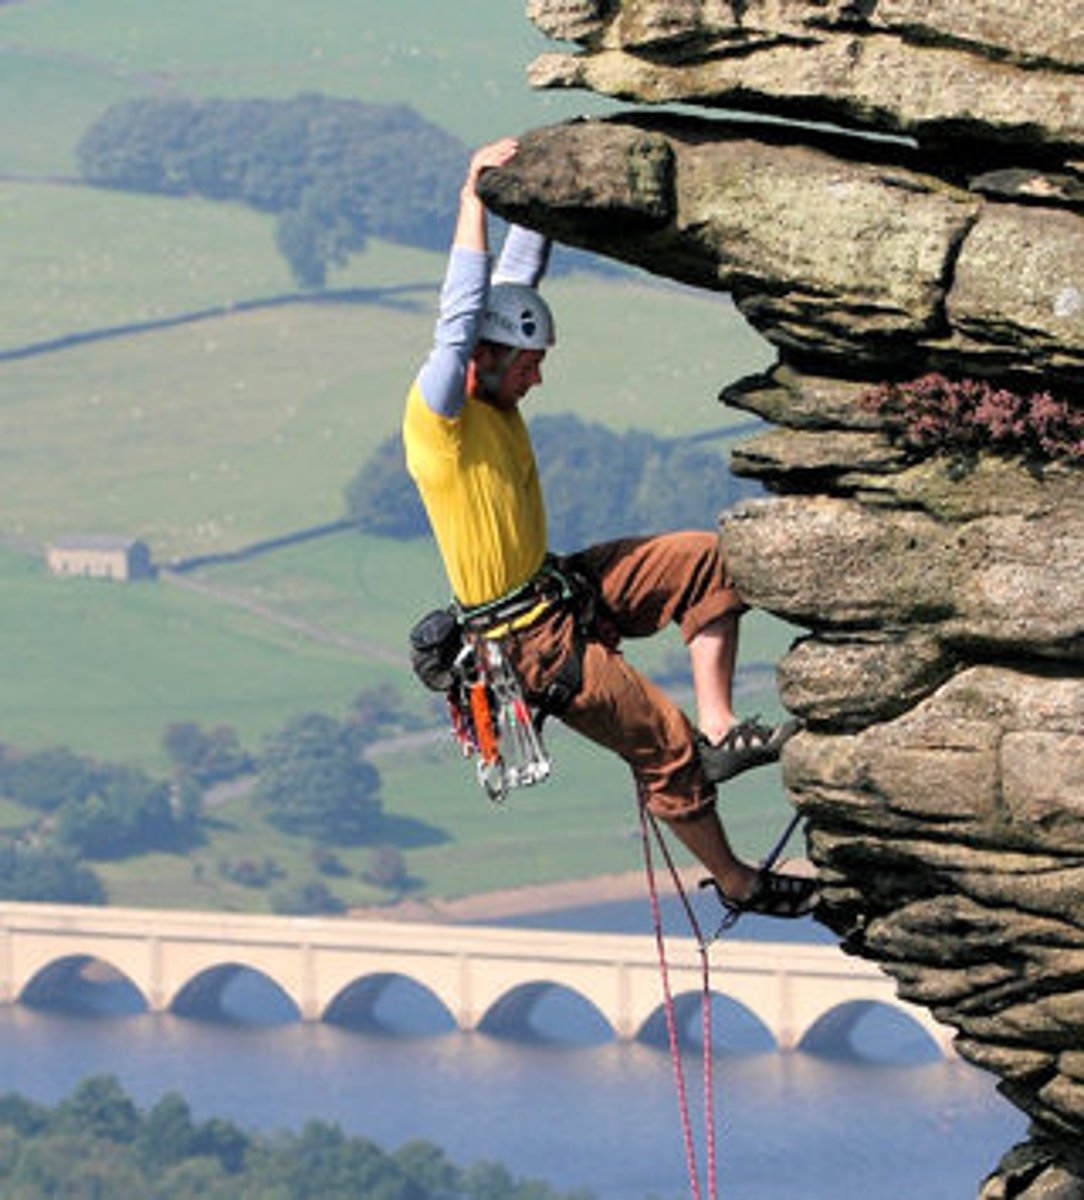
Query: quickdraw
[(493, 722)]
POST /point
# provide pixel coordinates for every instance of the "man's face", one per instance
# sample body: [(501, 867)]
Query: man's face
[(517, 378)]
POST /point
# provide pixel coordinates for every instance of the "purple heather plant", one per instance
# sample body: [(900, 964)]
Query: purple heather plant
[(961, 417)]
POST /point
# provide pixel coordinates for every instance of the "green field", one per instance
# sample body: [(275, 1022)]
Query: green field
[(580, 823), (210, 434), (106, 668)]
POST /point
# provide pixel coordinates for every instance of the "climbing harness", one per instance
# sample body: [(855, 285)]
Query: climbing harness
[(651, 833), (458, 651)]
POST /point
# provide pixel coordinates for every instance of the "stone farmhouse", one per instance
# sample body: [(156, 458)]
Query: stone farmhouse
[(100, 556)]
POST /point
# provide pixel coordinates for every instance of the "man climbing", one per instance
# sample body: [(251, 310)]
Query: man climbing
[(558, 620)]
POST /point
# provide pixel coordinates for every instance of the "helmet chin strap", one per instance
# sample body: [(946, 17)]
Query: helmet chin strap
[(491, 380)]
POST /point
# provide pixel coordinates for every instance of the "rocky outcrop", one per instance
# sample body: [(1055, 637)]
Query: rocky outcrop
[(936, 226), (841, 261), (988, 70)]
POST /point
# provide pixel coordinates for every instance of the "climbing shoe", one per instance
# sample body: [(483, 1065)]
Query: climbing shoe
[(746, 744), (775, 894)]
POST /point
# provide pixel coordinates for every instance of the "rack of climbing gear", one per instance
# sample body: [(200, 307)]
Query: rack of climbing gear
[(493, 723), (458, 651), (490, 717)]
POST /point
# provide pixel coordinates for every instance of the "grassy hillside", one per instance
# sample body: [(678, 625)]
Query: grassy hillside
[(105, 668), (212, 434), (208, 435)]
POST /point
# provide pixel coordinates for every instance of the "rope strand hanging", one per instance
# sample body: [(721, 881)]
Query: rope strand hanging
[(650, 832)]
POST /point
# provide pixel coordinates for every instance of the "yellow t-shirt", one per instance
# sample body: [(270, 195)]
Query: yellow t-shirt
[(478, 480)]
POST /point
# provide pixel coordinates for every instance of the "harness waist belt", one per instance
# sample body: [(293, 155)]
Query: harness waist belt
[(520, 608)]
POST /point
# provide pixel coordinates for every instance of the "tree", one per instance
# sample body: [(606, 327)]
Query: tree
[(387, 869), (77, 1167), (205, 756), (311, 898), (100, 1108), (488, 1181), (381, 498), (23, 1115), (588, 474), (46, 874), (204, 1178), (127, 812), (333, 170), (223, 1140), (44, 779), (321, 232), (138, 145), (314, 780), (379, 710), (166, 1134), (429, 1167)]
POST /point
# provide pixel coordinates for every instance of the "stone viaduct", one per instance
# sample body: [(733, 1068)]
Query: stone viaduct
[(335, 968)]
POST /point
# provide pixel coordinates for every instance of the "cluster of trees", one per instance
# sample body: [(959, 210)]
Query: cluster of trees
[(82, 809), (315, 780), (46, 873), (598, 484), (333, 171), (98, 810), (314, 894), (311, 778), (98, 1143)]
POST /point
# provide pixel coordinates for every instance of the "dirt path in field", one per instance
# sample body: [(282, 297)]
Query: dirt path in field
[(309, 629), (511, 902)]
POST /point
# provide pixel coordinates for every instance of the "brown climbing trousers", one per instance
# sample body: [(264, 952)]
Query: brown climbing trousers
[(642, 585)]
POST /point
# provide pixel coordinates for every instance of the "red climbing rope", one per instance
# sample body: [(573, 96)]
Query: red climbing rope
[(649, 827)]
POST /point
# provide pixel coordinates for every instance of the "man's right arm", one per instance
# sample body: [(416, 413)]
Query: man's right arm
[(466, 285), (442, 379)]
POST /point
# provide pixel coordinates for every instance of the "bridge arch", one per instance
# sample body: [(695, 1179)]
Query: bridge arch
[(546, 1011), (735, 1028), (79, 981), (836, 1033), (43, 966), (416, 1008), (206, 996), (804, 990)]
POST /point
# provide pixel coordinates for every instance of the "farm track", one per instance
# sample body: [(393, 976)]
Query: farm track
[(372, 651)]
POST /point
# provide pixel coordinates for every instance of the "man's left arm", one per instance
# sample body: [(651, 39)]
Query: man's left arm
[(524, 257)]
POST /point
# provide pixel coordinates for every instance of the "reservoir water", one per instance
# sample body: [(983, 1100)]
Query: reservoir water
[(887, 1120)]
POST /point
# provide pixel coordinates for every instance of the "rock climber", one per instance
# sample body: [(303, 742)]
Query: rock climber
[(559, 619)]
